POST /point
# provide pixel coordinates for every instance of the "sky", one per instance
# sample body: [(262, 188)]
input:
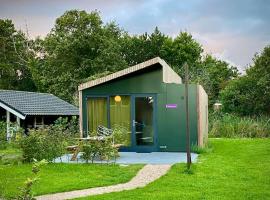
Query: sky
[(231, 30)]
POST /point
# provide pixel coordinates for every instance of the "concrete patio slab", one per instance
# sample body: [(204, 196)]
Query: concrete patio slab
[(138, 158)]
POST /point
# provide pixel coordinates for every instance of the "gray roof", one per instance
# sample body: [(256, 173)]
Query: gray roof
[(33, 103)]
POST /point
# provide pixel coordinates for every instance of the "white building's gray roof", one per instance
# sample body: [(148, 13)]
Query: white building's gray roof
[(33, 103)]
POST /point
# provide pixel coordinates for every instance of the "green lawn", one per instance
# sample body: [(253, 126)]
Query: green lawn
[(63, 177), (9, 151), (235, 169)]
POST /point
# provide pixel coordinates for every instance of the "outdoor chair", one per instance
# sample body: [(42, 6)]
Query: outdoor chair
[(103, 131), (106, 132)]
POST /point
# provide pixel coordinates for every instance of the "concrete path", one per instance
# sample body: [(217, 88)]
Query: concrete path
[(146, 175)]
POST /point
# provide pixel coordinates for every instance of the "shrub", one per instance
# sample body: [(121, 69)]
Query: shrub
[(90, 151), (68, 128), (200, 150), (103, 150), (3, 131), (121, 135), (230, 125), (106, 150), (49, 142), (16, 134), (42, 144)]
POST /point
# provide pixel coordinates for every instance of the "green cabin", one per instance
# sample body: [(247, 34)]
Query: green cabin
[(146, 101)]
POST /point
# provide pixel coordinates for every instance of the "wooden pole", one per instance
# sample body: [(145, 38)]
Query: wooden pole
[(187, 118)]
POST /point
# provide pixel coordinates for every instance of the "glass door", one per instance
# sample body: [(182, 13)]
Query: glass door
[(143, 123), (120, 117)]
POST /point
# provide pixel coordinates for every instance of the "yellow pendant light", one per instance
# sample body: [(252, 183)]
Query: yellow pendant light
[(117, 98)]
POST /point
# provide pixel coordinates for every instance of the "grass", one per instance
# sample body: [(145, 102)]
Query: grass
[(10, 155), (233, 126), (63, 177), (10, 151), (234, 169)]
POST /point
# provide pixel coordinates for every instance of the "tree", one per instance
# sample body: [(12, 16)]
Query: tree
[(182, 49), (250, 94), (78, 46), (210, 72), (139, 48), (16, 58), (213, 75), (175, 51), (238, 96)]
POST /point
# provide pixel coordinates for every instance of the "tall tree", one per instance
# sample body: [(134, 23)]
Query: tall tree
[(78, 46), (139, 48), (175, 51), (250, 94), (15, 58), (182, 49), (213, 75)]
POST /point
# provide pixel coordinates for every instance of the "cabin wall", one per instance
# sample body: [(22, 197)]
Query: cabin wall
[(170, 122), (202, 110)]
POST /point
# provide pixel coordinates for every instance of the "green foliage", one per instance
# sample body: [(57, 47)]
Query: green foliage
[(3, 133), (139, 48), (250, 94), (49, 142), (107, 151), (69, 127), (78, 46), (42, 144), (183, 48), (201, 150), (90, 151), (15, 58), (175, 51), (102, 150), (81, 47), (121, 135), (238, 97), (26, 191), (233, 126), (14, 130), (213, 75)]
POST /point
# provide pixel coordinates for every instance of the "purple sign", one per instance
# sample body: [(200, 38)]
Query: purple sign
[(171, 105)]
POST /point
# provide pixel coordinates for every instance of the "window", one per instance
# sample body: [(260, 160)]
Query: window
[(119, 114), (97, 113)]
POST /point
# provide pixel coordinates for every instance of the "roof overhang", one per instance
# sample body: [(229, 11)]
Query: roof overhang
[(11, 110), (169, 76)]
